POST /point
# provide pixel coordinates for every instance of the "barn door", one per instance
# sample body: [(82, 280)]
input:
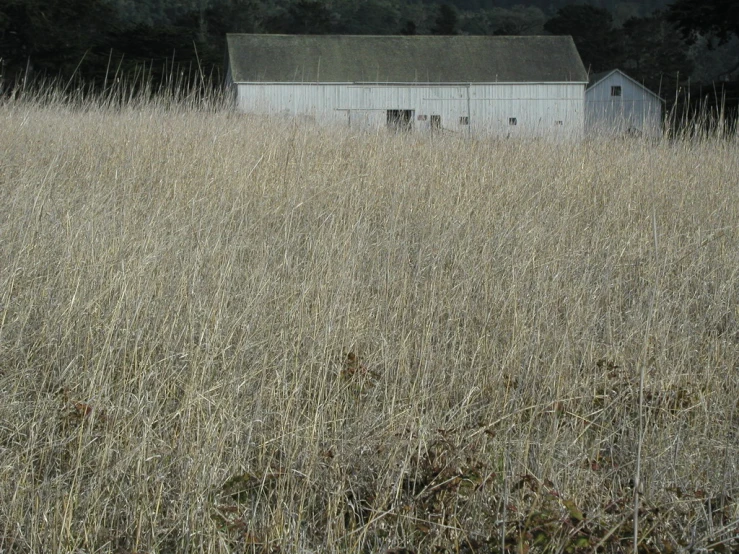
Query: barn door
[(400, 120)]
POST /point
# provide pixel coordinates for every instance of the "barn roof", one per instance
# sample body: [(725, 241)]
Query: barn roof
[(403, 59)]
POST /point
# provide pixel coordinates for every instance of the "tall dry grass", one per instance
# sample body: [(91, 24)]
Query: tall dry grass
[(224, 334)]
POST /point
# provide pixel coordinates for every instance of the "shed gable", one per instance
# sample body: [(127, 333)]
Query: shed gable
[(616, 104), (604, 78)]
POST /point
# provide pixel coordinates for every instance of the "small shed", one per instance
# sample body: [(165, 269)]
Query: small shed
[(469, 85), (617, 105)]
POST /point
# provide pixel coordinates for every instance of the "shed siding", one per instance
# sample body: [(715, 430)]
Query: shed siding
[(539, 109), (636, 110)]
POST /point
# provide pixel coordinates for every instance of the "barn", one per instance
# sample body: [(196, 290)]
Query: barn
[(616, 104), (527, 86)]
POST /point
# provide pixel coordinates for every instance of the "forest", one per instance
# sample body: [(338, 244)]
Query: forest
[(671, 47)]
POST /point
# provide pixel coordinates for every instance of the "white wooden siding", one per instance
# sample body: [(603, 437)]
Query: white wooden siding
[(540, 109), (637, 110)]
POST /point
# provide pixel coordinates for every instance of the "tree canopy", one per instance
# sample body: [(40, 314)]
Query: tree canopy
[(592, 30), (714, 18), (446, 21)]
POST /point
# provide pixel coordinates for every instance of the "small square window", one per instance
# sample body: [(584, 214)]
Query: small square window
[(558, 123), (512, 121), (616, 91), (464, 120), (422, 117)]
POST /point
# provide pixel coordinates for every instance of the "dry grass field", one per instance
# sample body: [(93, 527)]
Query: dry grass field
[(223, 334)]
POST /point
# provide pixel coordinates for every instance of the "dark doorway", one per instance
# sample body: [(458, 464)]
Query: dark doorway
[(400, 120), (435, 123)]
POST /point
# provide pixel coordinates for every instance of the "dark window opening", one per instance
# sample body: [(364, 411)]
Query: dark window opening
[(400, 120), (464, 120), (435, 123), (616, 91), (512, 121), (558, 122)]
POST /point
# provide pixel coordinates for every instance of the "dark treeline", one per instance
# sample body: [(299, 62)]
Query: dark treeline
[(669, 45)]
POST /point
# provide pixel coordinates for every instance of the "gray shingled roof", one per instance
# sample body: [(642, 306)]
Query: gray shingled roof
[(402, 59)]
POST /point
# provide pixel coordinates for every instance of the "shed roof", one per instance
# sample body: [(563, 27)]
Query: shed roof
[(403, 59)]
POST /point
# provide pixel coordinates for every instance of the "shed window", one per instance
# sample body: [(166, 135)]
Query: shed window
[(512, 121), (558, 122), (464, 120), (616, 90)]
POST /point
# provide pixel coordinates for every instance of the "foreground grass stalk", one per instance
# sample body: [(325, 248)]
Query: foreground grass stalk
[(642, 371)]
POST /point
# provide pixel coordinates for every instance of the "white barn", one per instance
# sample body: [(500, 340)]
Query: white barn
[(526, 86), (616, 104)]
